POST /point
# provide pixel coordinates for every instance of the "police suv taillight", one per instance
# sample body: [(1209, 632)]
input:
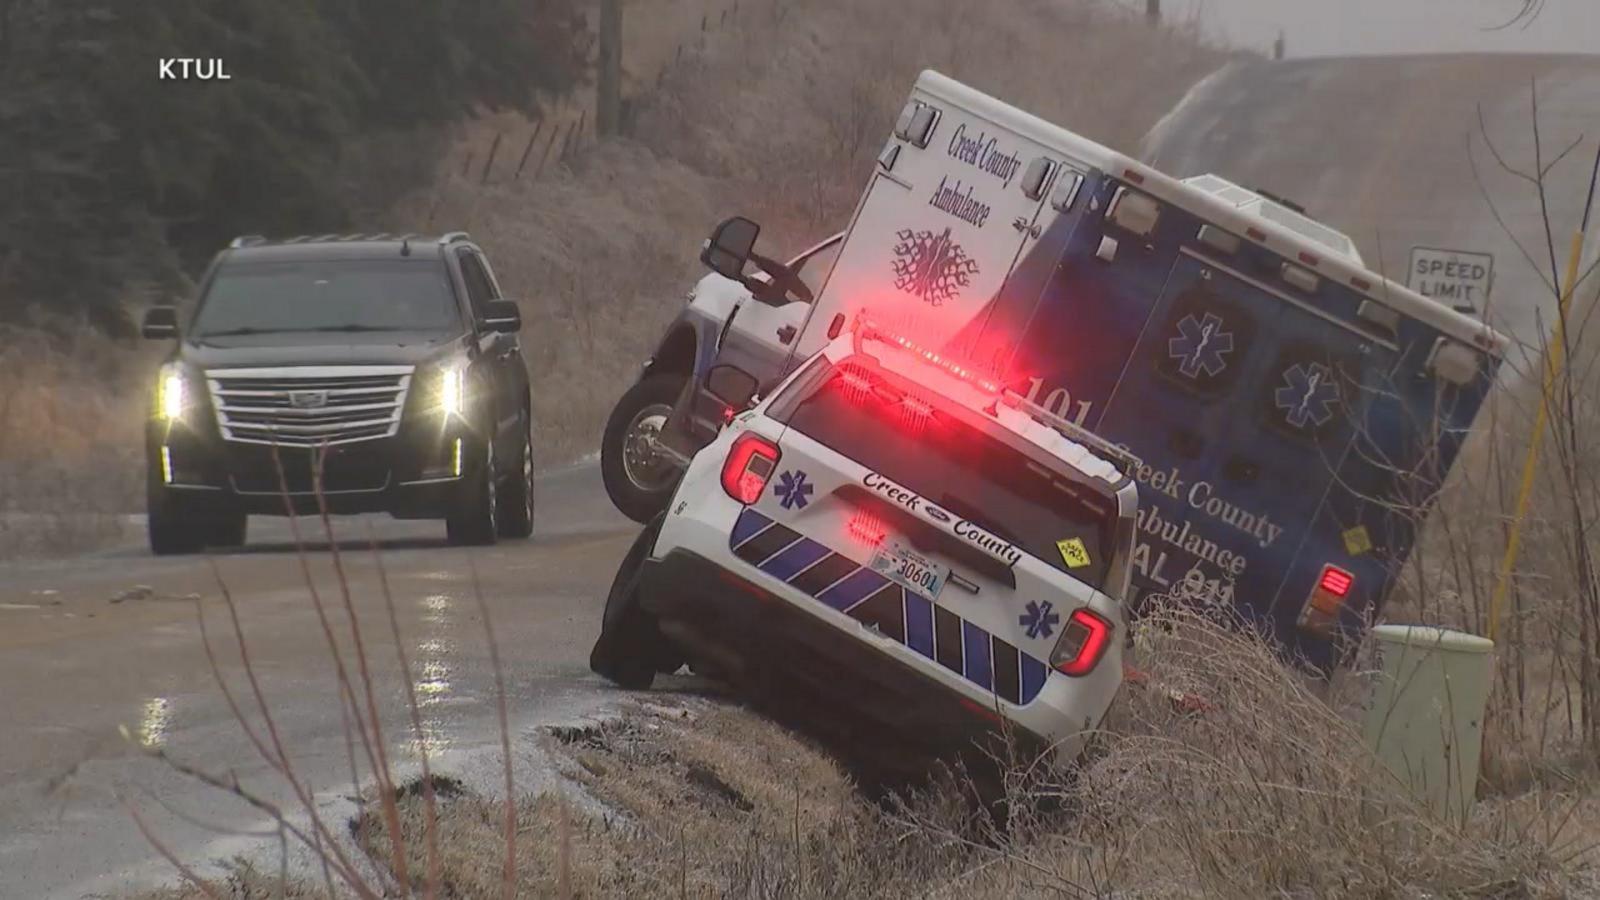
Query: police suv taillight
[(1082, 643), (748, 467)]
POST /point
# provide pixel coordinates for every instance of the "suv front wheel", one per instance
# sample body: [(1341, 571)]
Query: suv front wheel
[(471, 519)]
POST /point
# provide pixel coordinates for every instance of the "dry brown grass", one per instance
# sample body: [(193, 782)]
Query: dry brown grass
[(1269, 791), (71, 413)]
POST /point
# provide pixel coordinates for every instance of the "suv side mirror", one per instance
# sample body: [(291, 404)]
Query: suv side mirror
[(728, 249), (502, 316), (160, 322), (732, 385)]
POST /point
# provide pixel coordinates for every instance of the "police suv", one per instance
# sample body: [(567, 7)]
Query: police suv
[(897, 538)]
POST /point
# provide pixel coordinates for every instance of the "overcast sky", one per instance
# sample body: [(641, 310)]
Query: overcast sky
[(1341, 27)]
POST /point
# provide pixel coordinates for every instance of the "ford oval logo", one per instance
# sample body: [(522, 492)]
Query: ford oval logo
[(308, 399)]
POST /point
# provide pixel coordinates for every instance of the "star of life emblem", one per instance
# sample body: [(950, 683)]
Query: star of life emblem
[(1201, 346), (931, 266), (1307, 395)]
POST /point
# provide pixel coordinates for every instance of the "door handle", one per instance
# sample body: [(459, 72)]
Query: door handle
[(786, 333)]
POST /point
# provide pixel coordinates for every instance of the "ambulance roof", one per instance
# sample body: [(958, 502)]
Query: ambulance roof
[(1281, 237)]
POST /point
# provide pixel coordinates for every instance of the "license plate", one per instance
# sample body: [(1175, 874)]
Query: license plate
[(910, 569)]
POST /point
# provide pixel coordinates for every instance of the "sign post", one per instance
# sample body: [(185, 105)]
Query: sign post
[(1459, 278)]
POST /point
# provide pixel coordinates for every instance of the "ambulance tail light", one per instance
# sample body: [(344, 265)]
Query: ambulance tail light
[(749, 467), (1082, 643), (1321, 611), (867, 528)]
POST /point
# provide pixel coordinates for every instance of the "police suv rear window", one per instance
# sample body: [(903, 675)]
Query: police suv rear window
[(890, 426)]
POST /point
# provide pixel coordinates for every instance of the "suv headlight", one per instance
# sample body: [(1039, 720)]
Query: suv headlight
[(452, 389), (172, 393)]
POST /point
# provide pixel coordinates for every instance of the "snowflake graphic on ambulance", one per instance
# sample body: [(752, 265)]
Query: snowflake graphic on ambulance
[(1201, 346), (1307, 395), (931, 267)]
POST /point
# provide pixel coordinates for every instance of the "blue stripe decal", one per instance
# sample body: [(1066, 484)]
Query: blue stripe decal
[(750, 524), (794, 560), (853, 589), (1033, 674), (978, 666), (919, 624)]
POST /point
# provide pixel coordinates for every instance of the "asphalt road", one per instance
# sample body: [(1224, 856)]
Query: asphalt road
[(76, 668), (1378, 147)]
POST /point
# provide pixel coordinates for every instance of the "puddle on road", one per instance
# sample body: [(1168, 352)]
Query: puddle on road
[(431, 670), (154, 722)]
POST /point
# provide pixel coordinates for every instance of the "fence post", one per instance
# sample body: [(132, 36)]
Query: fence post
[(555, 138), (489, 162), (537, 127), (608, 84), (1152, 11)]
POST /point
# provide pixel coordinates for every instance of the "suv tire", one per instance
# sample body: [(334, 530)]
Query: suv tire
[(514, 505), (227, 528), (471, 519), (637, 479), (174, 526), (631, 647)]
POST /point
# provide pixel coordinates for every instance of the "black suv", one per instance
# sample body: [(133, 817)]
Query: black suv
[(363, 373)]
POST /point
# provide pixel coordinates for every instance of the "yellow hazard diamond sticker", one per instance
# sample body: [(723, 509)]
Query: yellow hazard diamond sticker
[(1357, 541), (1073, 553)]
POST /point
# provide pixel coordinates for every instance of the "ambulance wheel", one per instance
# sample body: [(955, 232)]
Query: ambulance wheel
[(631, 648), (639, 477)]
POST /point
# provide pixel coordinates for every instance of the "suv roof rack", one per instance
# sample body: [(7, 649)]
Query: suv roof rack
[(1125, 461), (450, 237), (247, 240)]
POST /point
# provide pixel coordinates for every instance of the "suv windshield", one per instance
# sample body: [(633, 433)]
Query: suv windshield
[(888, 425), (330, 295)]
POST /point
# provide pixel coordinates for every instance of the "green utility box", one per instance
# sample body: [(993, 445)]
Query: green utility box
[(1425, 717)]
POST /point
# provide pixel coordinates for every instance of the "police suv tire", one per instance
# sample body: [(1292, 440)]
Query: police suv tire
[(630, 499), (173, 526), (471, 519), (514, 506), (631, 648)]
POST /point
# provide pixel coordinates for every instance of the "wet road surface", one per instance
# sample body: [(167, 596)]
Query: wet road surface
[(78, 668)]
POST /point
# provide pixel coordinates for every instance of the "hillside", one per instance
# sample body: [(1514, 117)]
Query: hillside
[(773, 110)]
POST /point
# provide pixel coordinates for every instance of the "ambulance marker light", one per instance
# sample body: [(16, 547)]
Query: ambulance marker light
[(1336, 581), (749, 466)]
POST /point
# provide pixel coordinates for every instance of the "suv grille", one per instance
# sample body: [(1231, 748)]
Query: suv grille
[(309, 406)]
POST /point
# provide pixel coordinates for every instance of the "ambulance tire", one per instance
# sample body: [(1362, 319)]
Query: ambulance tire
[(631, 648), (638, 478)]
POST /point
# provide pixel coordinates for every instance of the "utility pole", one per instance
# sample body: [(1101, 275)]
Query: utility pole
[(1152, 11), (608, 100)]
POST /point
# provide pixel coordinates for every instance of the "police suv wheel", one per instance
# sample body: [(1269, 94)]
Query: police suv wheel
[(638, 476), (631, 648), (471, 521), (514, 509)]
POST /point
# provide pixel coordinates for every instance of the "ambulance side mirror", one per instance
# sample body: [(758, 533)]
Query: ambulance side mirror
[(728, 249), (732, 385)]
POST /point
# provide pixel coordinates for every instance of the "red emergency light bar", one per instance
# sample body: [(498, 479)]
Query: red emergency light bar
[(869, 329)]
